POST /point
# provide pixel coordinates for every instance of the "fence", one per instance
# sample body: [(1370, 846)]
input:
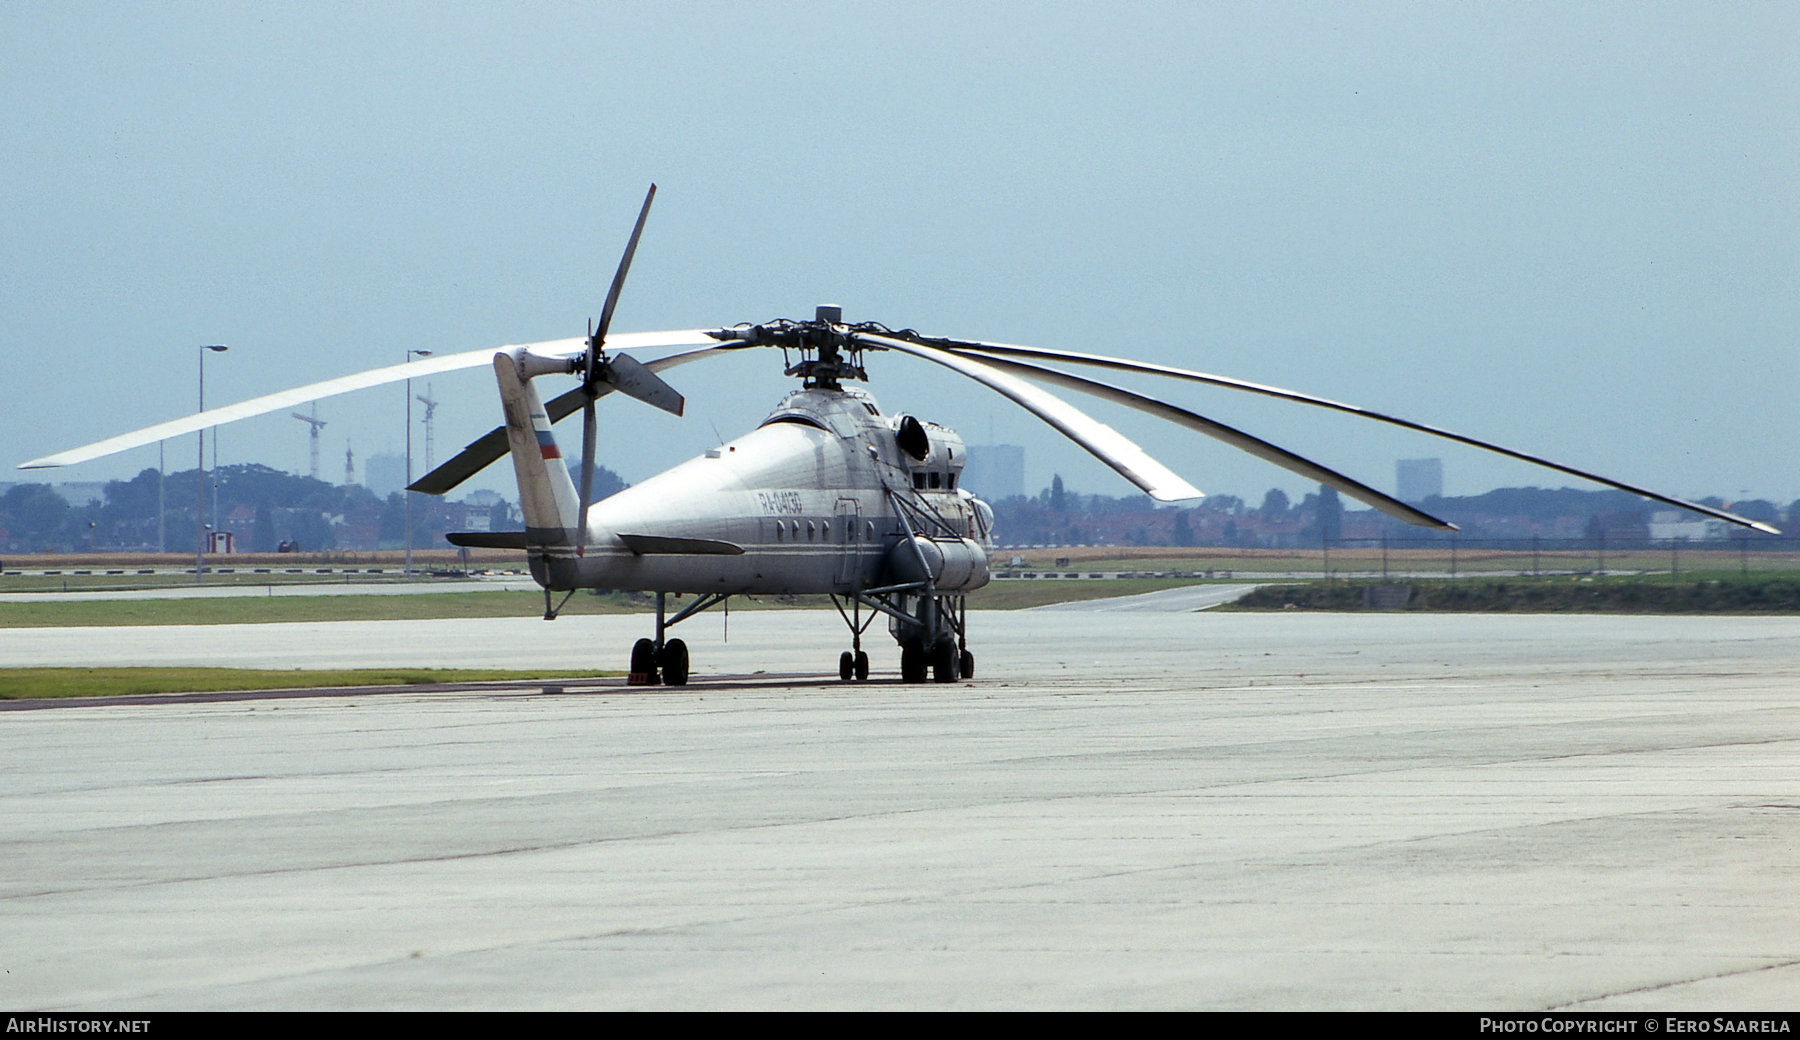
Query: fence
[(1402, 557), (1535, 556)]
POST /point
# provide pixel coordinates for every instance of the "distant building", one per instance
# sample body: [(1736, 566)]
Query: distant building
[(1418, 479), (995, 471), (1668, 525), (384, 474), (81, 493)]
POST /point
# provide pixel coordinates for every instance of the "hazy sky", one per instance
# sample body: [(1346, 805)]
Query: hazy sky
[(1572, 231)]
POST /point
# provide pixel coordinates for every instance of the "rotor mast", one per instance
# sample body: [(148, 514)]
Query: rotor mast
[(829, 351)]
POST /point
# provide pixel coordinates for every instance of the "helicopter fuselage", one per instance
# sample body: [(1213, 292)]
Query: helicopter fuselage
[(821, 498)]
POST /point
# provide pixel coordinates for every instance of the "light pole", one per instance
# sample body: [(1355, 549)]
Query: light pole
[(407, 491), (200, 472)]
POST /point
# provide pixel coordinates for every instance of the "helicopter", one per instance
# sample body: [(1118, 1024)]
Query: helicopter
[(828, 495)]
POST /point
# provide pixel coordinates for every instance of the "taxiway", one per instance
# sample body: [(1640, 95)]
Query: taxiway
[(1123, 810)]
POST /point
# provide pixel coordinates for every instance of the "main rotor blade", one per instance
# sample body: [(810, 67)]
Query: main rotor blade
[(1125, 365), (492, 446), (1102, 441), (570, 348), (1236, 438)]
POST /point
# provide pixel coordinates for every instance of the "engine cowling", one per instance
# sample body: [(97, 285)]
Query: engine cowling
[(951, 564)]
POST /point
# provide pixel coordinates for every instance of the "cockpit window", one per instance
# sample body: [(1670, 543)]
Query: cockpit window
[(797, 420)]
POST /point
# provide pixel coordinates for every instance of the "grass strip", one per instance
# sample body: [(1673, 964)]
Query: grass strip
[(1011, 594), (1551, 595), (23, 683), (236, 610)]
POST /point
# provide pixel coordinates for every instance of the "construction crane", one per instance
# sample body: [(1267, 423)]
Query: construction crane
[(317, 425), (430, 407)]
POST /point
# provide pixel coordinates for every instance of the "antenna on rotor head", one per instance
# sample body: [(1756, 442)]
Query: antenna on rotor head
[(823, 373)]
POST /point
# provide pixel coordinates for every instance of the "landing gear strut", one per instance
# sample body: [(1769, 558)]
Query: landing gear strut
[(930, 628)]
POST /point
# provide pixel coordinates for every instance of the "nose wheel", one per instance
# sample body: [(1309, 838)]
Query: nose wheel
[(853, 663)]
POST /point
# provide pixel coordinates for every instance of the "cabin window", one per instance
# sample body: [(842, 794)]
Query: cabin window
[(869, 532), (918, 481), (825, 530), (952, 482), (779, 530), (810, 530), (935, 479)]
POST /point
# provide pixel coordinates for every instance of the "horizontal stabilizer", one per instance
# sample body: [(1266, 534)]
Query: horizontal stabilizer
[(658, 545), (488, 539)]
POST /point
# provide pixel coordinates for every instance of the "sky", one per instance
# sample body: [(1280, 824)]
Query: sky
[(1571, 229)]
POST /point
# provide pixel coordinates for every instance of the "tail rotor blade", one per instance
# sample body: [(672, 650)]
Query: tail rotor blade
[(621, 372), (618, 282), (589, 435), (628, 376)]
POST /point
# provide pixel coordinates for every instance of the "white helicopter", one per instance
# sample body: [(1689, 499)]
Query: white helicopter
[(828, 496)]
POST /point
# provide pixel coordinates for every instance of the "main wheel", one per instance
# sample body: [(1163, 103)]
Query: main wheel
[(861, 666), (846, 666), (944, 662), (912, 663), (643, 664), (675, 663)]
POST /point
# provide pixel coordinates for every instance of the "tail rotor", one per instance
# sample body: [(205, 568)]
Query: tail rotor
[(621, 372)]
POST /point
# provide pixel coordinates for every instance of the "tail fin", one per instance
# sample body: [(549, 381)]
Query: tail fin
[(546, 493)]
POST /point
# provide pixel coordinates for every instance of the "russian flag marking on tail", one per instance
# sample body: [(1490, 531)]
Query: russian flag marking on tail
[(540, 425)]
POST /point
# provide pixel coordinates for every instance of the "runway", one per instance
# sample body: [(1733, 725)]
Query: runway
[(1123, 810)]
